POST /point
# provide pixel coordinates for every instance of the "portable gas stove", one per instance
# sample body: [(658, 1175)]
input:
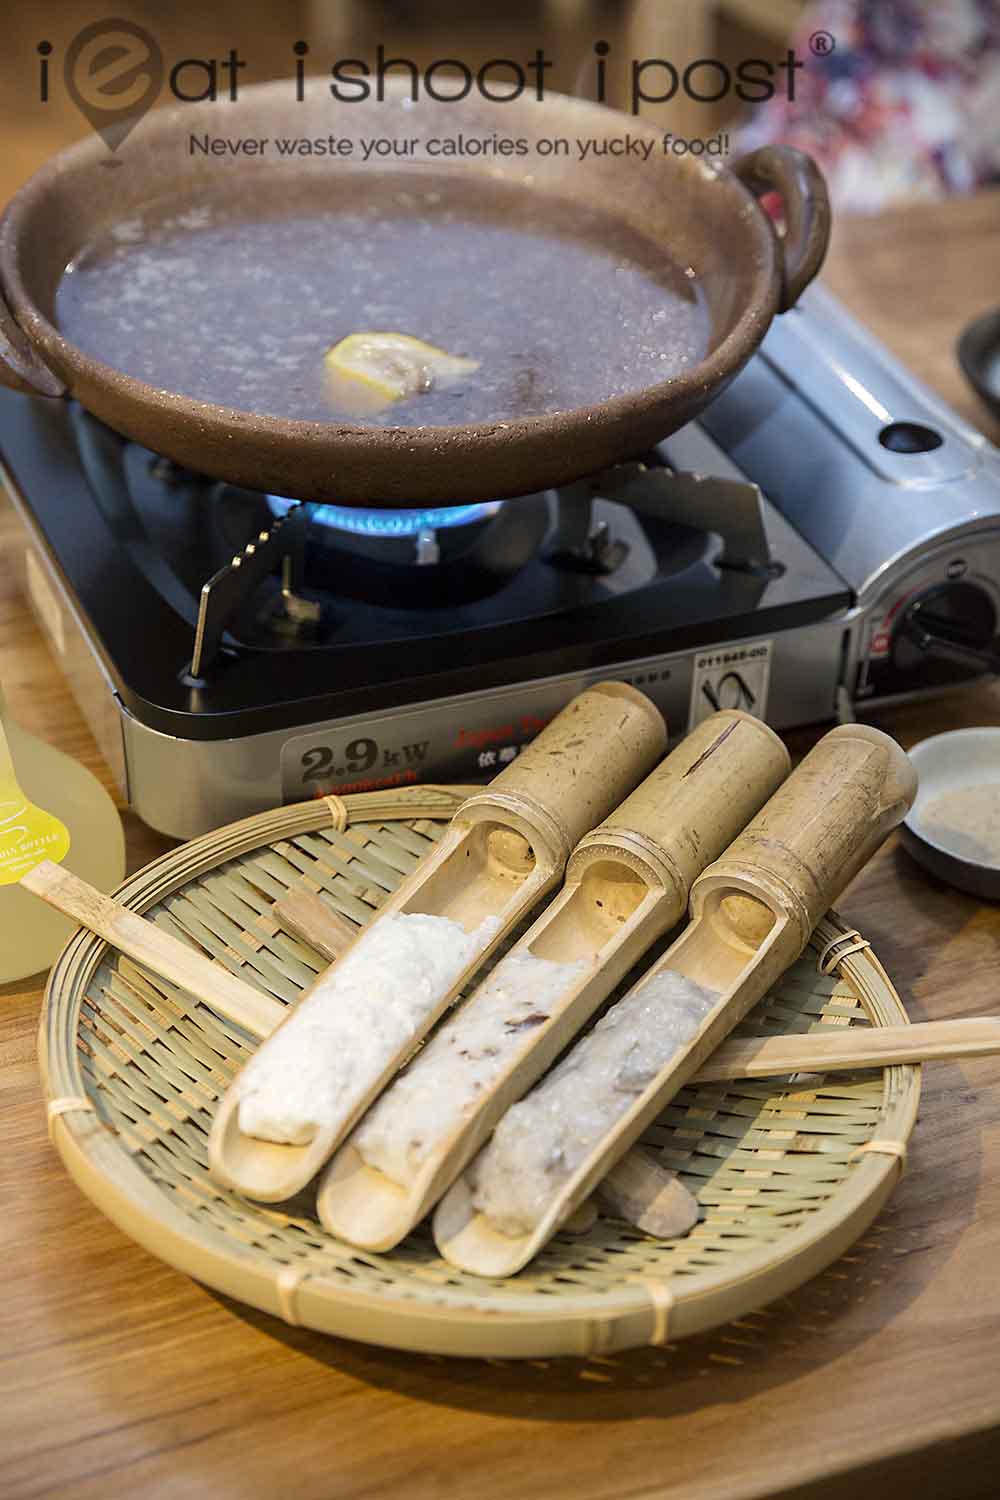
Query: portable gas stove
[(827, 535)]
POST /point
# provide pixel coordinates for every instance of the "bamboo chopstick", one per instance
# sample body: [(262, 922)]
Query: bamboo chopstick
[(826, 1049), (157, 950)]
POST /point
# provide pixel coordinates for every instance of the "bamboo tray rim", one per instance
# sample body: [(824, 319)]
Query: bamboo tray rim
[(433, 1318)]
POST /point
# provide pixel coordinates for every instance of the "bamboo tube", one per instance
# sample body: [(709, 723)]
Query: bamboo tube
[(752, 913), (690, 809), (580, 767), (506, 847), (627, 884)]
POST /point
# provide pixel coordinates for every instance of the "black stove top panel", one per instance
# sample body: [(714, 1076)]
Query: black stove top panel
[(528, 588)]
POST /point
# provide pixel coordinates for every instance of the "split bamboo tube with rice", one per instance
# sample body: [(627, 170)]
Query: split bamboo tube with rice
[(350, 1032), (627, 884), (752, 913)]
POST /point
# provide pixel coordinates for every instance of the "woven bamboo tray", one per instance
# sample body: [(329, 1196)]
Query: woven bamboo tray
[(787, 1173)]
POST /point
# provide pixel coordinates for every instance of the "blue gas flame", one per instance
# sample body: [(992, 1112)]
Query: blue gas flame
[(390, 523)]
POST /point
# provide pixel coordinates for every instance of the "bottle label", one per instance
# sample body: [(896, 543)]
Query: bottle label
[(28, 835)]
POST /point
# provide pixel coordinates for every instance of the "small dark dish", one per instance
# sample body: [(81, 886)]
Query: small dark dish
[(979, 357), (965, 758)]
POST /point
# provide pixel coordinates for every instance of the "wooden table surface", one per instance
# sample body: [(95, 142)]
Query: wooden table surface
[(120, 1376)]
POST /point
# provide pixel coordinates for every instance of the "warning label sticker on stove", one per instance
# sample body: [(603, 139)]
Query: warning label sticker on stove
[(731, 677)]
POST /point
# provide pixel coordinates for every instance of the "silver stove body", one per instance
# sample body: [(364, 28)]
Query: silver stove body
[(891, 524), (802, 421)]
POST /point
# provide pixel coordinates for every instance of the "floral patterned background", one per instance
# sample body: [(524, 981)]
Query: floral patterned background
[(906, 105)]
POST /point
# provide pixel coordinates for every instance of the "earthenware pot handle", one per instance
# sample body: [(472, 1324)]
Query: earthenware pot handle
[(797, 180), (20, 366)]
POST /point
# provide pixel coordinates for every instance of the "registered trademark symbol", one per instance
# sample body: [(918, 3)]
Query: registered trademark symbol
[(822, 43)]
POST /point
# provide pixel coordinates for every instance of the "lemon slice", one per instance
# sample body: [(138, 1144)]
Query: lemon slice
[(370, 370)]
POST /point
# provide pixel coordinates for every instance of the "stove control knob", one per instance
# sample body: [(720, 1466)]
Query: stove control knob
[(951, 622)]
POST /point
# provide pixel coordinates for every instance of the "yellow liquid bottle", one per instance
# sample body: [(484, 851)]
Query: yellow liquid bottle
[(50, 808)]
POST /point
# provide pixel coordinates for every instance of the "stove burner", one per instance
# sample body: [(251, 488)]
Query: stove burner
[(390, 523), (438, 556), (673, 571)]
